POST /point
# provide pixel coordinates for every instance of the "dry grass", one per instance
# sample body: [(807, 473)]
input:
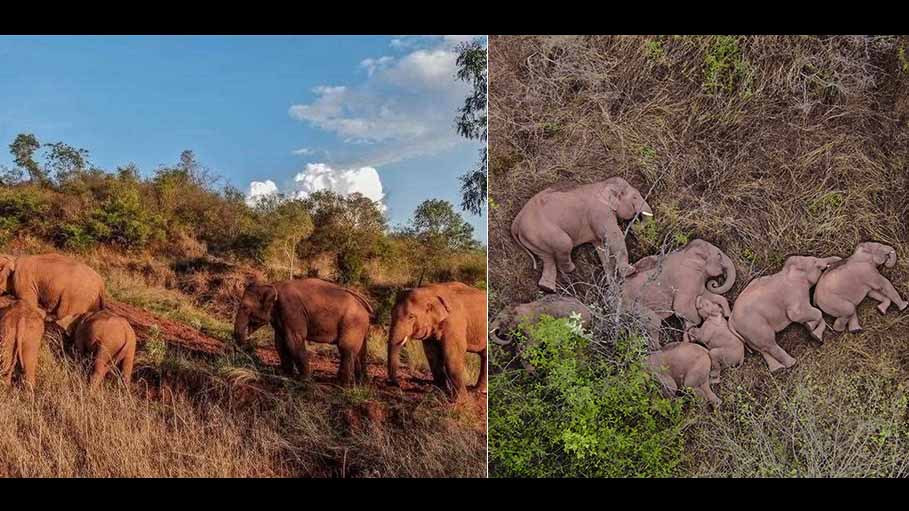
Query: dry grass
[(765, 146)]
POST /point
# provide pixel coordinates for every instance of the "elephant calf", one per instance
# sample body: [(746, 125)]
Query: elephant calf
[(21, 330), (769, 304), (110, 341), (843, 287), (512, 317), (725, 348), (683, 364)]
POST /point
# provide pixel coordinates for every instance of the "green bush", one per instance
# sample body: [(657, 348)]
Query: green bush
[(580, 414)]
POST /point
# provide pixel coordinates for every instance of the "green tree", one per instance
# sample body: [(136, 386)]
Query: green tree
[(23, 150), (289, 224), (472, 123), (65, 160), (440, 232)]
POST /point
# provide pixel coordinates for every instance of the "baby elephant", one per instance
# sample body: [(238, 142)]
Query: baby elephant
[(110, 340), (21, 330), (726, 349), (683, 364), (844, 286), (511, 318), (769, 304)]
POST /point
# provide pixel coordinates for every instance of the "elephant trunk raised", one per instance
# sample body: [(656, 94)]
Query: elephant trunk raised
[(729, 270)]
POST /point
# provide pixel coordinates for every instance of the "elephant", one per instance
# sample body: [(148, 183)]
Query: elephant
[(21, 330), (665, 285), (845, 285), (726, 349), (769, 304), (683, 364), (109, 340), (554, 221), (512, 317), (63, 287), (312, 310), (450, 319)]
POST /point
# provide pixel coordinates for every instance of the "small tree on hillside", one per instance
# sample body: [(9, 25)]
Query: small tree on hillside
[(440, 230), (23, 150)]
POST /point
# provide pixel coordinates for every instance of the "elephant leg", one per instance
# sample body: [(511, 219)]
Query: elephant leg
[(772, 363), (126, 365), (780, 355), (715, 366), (346, 368), (455, 367), (840, 323), (433, 351), (29, 361), (482, 380), (812, 318), (886, 288), (854, 326), (361, 364), (284, 355), (101, 366), (880, 297), (667, 384), (706, 392), (548, 279)]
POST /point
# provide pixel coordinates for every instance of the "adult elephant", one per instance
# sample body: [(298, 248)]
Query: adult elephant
[(450, 319), (670, 284), (553, 222), (308, 310), (63, 287)]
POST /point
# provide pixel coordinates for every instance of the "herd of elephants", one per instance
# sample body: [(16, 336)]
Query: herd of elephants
[(682, 283), (450, 319)]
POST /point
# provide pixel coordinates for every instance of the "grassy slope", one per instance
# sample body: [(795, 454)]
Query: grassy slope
[(228, 415), (765, 146)]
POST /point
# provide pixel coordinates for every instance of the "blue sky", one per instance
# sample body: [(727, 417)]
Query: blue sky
[(295, 114)]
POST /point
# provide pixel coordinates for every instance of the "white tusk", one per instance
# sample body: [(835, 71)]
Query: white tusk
[(406, 337), (646, 213)]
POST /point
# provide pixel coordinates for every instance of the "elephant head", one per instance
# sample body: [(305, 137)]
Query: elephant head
[(7, 267), (501, 325), (714, 263), (254, 311), (707, 308), (417, 314), (624, 199), (807, 267), (877, 253)]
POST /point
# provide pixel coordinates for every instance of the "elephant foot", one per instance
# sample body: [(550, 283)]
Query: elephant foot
[(882, 307), (547, 287), (856, 330), (903, 306)]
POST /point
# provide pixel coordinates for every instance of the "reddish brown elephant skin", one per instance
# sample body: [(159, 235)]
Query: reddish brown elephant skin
[(769, 304), (683, 364), (553, 222), (110, 342), (450, 319), (726, 349), (21, 330), (60, 285), (845, 285), (308, 310)]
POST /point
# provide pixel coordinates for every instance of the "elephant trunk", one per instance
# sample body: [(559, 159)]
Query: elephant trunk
[(891, 259), (729, 270), (241, 325), (395, 343), (494, 329)]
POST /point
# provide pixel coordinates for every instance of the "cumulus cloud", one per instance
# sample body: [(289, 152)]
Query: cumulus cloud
[(320, 176), (259, 190), (404, 108)]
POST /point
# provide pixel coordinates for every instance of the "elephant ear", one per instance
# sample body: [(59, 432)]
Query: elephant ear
[(611, 196), (268, 295), (7, 267)]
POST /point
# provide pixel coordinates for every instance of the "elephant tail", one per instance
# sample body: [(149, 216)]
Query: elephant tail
[(100, 304), (364, 302), (9, 365), (515, 234)]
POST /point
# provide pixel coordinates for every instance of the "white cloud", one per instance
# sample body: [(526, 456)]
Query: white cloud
[(321, 177), (303, 151), (259, 190), (404, 108)]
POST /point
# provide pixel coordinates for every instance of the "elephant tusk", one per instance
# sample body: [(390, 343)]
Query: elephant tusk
[(406, 338), (646, 213)]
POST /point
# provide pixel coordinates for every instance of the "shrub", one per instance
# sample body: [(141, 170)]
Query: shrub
[(580, 414)]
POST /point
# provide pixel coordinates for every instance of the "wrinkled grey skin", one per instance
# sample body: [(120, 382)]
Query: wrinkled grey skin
[(512, 317), (845, 285), (554, 221), (726, 349), (665, 285), (771, 303), (683, 364)]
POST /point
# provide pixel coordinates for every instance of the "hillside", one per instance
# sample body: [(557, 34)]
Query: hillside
[(766, 146), (175, 252)]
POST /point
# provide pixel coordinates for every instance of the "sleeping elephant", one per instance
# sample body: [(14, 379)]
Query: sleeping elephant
[(60, 285), (845, 285), (109, 340), (311, 310), (769, 304), (553, 222), (683, 364), (21, 330), (512, 317), (665, 285), (450, 319)]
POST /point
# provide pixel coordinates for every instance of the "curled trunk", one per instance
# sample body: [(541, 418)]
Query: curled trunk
[(729, 269)]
